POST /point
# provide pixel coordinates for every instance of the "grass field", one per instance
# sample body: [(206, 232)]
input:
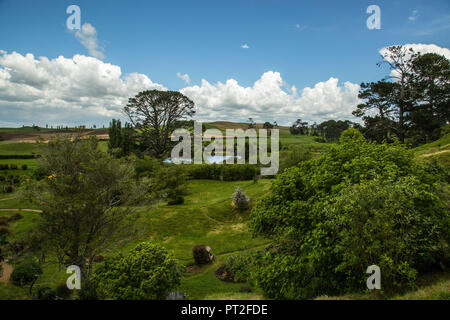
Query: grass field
[(205, 217)]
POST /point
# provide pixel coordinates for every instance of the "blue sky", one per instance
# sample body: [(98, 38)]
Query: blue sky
[(306, 42)]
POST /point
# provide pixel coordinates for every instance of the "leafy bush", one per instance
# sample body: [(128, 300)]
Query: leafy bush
[(237, 268), (4, 230), (147, 272), (225, 172), (13, 167), (240, 199), (4, 167), (201, 254), (359, 204), (16, 216), (177, 200), (25, 273), (24, 167), (293, 157)]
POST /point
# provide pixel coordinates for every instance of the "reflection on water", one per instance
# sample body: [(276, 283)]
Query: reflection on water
[(210, 159)]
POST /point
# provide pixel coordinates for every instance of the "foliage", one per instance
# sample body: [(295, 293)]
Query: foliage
[(225, 172), (156, 114), (25, 273), (46, 293), (359, 204), (147, 272), (81, 200), (237, 268), (415, 105)]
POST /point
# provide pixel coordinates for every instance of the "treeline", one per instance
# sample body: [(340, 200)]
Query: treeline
[(412, 103), (329, 130)]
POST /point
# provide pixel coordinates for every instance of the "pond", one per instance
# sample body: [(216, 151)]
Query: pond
[(209, 159)]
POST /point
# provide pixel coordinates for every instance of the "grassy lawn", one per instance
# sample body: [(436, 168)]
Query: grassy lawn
[(205, 217), (13, 148)]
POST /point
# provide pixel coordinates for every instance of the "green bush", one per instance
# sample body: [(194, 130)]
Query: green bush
[(13, 167), (25, 273), (16, 216), (237, 268), (4, 167), (4, 230), (240, 200), (62, 292), (147, 272), (177, 200), (24, 167), (225, 172), (359, 204)]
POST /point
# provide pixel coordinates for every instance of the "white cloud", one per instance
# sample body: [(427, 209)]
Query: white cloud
[(184, 77), (424, 48), (87, 36), (270, 99), (78, 90), (419, 48), (414, 15), (297, 26), (245, 46)]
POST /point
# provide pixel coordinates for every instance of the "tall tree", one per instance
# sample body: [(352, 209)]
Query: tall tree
[(430, 84), (155, 113), (86, 201), (399, 59)]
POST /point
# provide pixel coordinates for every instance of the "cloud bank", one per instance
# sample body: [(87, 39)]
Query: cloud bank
[(86, 90), (78, 90)]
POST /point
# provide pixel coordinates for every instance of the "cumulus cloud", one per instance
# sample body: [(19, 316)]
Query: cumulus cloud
[(245, 46), (419, 48), (271, 99), (87, 36), (77, 90), (184, 77)]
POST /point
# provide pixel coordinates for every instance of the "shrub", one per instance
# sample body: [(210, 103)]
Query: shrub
[(4, 167), (236, 268), (177, 200), (225, 172), (16, 216), (4, 230), (4, 221), (24, 167), (357, 205), (25, 273), (147, 272), (201, 254), (13, 167), (240, 200)]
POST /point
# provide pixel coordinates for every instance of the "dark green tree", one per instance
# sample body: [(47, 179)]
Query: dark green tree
[(155, 114)]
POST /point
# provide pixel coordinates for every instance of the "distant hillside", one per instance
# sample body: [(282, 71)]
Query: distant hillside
[(439, 150)]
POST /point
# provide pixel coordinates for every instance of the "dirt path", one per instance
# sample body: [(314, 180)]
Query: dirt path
[(28, 210), (6, 274), (4, 199)]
